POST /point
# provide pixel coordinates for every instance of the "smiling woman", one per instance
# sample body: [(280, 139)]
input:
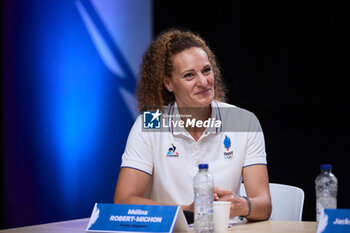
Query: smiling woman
[(158, 65), (179, 77), (193, 79)]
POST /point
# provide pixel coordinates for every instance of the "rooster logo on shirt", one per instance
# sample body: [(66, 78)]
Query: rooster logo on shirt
[(172, 151)]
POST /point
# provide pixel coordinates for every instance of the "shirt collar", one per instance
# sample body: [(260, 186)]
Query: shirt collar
[(174, 115)]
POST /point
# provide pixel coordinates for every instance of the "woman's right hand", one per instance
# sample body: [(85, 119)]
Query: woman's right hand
[(239, 205)]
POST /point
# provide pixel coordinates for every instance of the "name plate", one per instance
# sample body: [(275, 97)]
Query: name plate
[(132, 218), (334, 220)]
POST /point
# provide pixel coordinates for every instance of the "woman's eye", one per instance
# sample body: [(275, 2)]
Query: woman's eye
[(188, 75), (207, 70)]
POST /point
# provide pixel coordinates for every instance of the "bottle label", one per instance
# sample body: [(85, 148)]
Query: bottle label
[(319, 209), (325, 203)]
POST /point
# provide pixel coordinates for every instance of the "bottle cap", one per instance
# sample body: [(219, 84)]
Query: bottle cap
[(326, 167), (203, 166)]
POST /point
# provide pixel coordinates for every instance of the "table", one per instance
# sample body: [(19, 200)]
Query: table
[(79, 226), (71, 226), (275, 227)]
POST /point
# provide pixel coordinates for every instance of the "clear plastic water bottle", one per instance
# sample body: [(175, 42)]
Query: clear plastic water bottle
[(203, 184), (326, 190)]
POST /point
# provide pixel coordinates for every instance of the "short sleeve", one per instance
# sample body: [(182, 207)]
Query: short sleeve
[(138, 153), (255, 152)]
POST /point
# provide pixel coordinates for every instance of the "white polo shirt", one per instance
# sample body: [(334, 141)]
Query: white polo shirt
[(172, 157)]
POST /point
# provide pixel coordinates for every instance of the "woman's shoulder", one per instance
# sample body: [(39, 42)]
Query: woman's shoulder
[(237, 118)]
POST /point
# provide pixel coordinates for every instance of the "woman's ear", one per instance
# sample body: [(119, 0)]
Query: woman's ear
[(168, 85)]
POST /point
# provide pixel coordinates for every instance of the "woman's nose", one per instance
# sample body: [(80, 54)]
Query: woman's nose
[(202, 80)]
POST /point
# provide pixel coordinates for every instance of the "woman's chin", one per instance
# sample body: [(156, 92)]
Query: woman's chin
[(205, 102)]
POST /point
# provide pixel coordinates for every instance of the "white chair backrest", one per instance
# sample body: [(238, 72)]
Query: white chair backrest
[(287, 201)]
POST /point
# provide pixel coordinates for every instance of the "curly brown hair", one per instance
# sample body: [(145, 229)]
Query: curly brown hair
[(157, 64)]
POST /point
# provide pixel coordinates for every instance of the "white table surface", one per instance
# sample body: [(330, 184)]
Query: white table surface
[(79, 226)]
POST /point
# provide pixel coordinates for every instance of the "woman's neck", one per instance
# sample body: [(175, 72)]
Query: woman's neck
[(199, 113)]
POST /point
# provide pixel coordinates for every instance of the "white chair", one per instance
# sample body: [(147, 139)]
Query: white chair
[(287, 201)]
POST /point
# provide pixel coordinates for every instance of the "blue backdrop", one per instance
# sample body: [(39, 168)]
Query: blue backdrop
[(70, 71)]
